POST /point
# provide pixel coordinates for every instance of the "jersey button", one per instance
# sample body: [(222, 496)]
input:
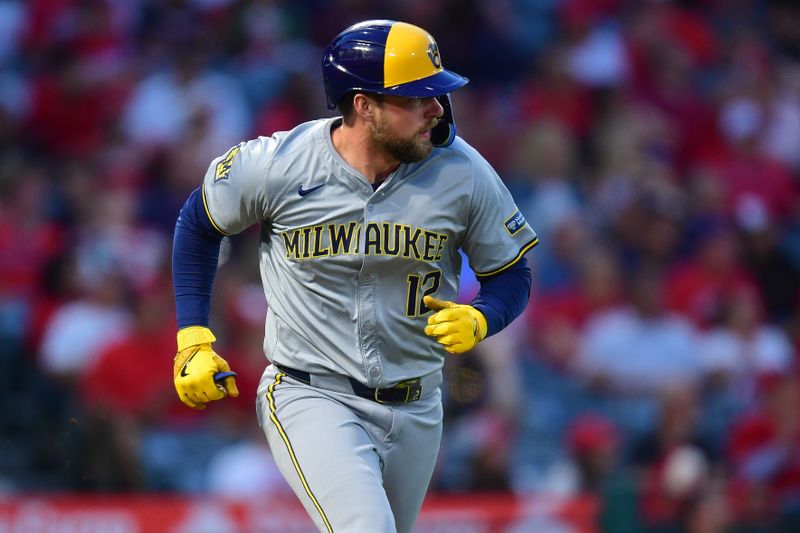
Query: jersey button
[(370, 207), (368, 325), (367, 277), (374, 372)]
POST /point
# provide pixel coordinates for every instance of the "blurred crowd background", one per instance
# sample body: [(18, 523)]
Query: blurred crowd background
[(653, 145)]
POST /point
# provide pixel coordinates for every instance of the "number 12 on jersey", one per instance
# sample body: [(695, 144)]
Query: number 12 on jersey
[(428, 284)]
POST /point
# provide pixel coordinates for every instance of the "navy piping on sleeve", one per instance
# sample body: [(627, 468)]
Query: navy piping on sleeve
[(522, 251)]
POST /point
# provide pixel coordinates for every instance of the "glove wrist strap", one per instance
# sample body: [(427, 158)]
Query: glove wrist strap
[(194, 335), (480, 320)]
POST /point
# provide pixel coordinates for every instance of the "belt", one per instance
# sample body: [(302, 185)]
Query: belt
[(406, 391)]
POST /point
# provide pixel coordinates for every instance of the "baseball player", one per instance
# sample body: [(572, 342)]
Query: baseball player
[(362, 217)]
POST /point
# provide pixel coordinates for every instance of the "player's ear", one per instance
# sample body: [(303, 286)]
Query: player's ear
[(364, 106)]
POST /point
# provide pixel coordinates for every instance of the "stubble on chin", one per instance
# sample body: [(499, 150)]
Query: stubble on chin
[(405, 150)]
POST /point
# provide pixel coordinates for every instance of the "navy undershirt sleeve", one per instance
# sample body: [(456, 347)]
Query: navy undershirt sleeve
[(195, 252), (502, 297)]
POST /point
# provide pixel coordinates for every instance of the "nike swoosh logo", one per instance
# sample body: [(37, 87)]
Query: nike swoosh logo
[(303, 192), (184, 373)]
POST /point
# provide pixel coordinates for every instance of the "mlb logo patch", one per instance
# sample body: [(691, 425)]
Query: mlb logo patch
[(515, 222)]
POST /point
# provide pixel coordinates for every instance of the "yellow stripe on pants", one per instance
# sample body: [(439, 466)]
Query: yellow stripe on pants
[(274, 418)]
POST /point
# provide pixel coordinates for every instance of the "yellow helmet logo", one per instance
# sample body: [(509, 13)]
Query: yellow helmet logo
[(411, 54)]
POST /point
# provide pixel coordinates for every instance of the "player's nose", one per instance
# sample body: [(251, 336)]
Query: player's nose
[(435, 108)]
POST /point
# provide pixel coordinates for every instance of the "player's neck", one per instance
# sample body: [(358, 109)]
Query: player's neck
[(356, 147)]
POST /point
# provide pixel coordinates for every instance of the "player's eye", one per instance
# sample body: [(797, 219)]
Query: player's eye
[(420, 101)]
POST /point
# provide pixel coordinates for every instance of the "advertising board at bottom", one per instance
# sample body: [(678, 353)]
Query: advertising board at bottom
[(152, 513)]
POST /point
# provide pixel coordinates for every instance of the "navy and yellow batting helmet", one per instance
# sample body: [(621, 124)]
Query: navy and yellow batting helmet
[(389, 57)]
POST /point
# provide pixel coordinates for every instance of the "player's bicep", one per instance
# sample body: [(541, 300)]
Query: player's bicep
[(234, 188)]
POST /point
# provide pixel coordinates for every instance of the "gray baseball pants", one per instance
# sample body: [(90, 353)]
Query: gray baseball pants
[(356, 465)]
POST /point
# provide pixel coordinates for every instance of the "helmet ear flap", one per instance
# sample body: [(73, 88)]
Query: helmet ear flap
[(444, 132)]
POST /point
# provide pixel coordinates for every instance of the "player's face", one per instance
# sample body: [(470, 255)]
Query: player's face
[(402, 127)]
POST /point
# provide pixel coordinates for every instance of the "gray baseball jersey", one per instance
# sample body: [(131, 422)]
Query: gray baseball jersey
[(345, 267)]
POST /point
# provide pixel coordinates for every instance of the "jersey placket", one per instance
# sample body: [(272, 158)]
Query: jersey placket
[(367, 311)]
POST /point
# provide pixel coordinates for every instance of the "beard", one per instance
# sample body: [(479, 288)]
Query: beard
[(406, 150)]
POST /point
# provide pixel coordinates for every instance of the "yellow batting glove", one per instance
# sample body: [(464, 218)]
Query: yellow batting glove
[(457, 327), (196, 364)]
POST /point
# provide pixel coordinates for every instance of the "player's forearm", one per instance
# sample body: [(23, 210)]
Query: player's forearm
[(195, 252), (503, 297)]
